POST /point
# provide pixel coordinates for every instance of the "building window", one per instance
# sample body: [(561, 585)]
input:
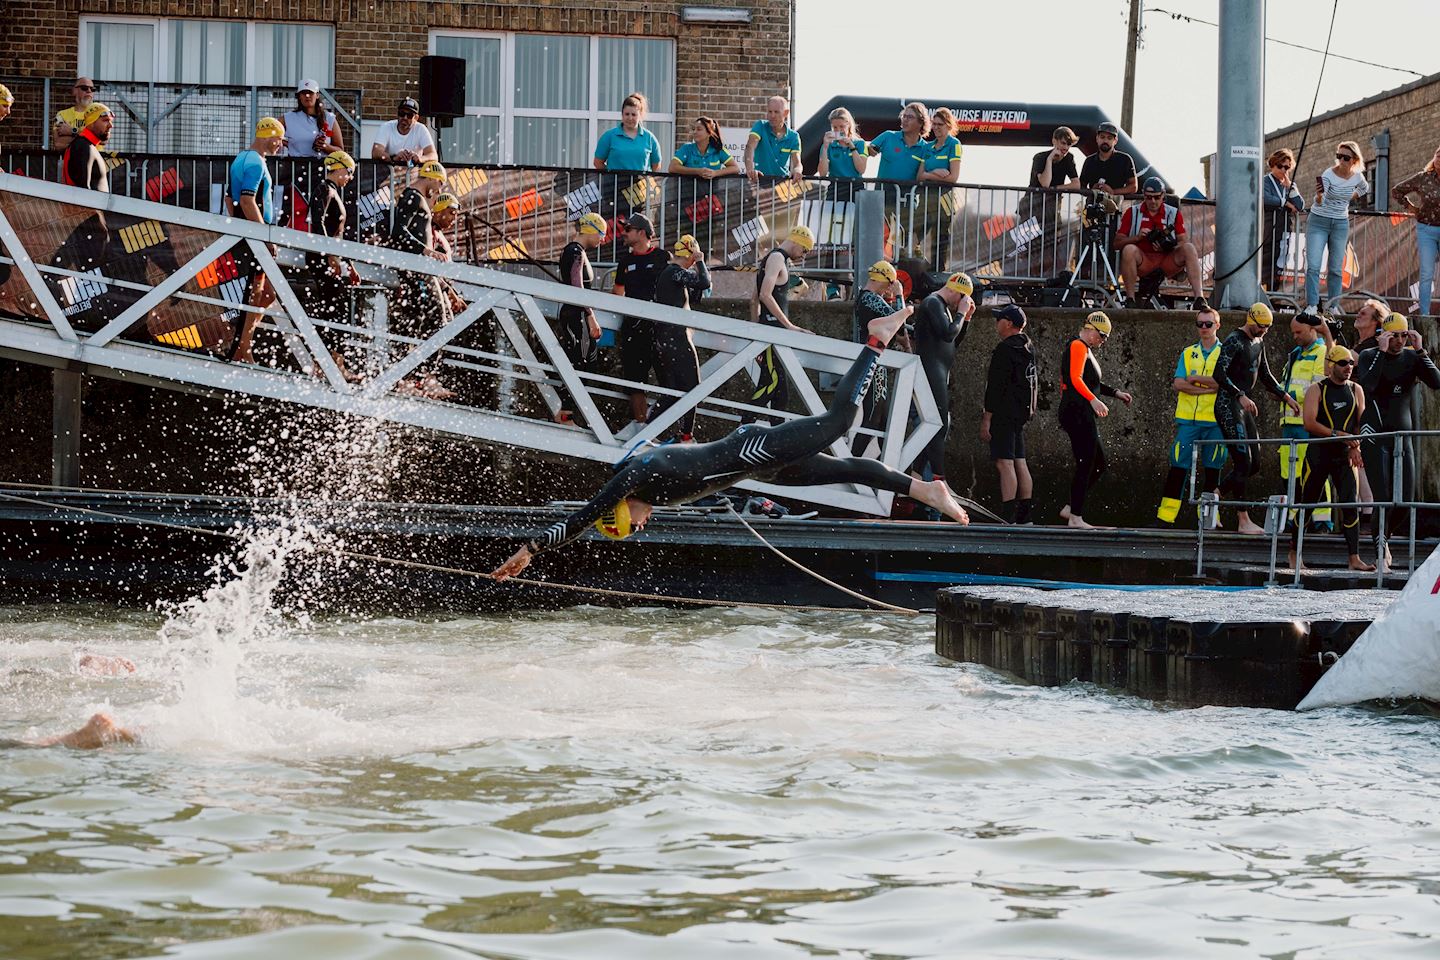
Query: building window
[(227, 52), (544, 99)]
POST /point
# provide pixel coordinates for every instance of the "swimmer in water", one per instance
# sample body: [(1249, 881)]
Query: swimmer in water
[(101, 730), (789, 453)]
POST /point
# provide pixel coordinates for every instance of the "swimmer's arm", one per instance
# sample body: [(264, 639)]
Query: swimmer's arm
[(697, 278), (563, 531)]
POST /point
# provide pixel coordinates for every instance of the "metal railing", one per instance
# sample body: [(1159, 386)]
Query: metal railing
[(158, 292), (1278, 508), (1025, 240), (173, 118)]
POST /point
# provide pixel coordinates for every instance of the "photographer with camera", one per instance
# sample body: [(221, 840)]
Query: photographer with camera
[(1151, 239), (1109, 170)]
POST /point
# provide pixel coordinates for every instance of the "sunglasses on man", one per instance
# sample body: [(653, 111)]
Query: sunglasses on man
[(1204, 324), (80, 86), (1342, 363)]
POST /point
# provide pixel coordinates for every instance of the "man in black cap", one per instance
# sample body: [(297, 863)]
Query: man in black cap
[(636, 271), (1010, 399), (404, 139), (1109, 170)]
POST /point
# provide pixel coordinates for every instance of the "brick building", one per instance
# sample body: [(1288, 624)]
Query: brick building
[(1407, 113), (543, 76)]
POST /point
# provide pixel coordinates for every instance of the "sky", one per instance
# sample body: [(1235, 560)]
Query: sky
[(1073, 51)]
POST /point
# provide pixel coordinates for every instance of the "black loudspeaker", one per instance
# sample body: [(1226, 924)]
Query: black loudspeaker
[(442, 87)]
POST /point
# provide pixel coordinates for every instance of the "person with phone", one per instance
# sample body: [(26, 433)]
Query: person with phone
[(1426, 186), (1328, 229)]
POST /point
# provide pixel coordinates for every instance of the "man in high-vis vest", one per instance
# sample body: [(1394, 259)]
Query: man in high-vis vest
[(1194, 417), (1304, 366)]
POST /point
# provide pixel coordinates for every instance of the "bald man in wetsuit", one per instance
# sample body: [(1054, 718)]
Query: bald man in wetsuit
[(788, 453)]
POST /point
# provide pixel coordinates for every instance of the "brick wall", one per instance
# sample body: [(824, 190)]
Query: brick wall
[(723, 71)]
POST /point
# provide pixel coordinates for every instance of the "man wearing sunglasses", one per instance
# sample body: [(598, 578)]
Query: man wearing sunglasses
[(1151, 239), (70, 121), (1333, 408), (1194, 385), (404, 140)]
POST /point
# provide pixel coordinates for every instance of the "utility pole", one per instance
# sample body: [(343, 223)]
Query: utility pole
[(1132, 44), (1239, 153)]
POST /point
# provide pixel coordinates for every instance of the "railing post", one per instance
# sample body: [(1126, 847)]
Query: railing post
[(869, 234), (150, 117), (1280, 521), (46, 115), (1199, 512)]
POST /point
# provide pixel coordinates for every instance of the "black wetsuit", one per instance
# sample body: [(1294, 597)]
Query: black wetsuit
[(1242, 364), (328, 294), (937, 334), (1077, 419), (773, 388), (1331, 462), (677, 366), (637, 274), (869, 306), (422, 308), (788, 453), (1389, 380), (573, 330)]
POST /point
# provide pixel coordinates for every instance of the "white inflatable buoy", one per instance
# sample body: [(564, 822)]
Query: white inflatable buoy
[(1397, 656)]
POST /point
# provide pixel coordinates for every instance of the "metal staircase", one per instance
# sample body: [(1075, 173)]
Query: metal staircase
[(125, 288)]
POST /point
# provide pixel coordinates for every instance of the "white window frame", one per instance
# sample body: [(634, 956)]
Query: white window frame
[(507, 112), (160, 70)]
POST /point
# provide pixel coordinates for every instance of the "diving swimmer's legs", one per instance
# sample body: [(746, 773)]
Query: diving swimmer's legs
[(823, 468)]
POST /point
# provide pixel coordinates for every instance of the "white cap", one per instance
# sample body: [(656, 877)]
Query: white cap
[(310, 85)]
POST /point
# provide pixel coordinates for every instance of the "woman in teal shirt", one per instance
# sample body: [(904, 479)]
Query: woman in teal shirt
[(939, 169), (628, 147), (704, 156)]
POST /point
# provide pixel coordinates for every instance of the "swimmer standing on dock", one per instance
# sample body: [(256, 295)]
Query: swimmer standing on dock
[(787, 453)]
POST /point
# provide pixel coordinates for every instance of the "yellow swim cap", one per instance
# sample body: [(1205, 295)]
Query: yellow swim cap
[(432, 170), (269, 127), (1260, 315), (6, 97), (444, 202), (1100, 322), (686, 246), (802, 237), (1394, 323), (1338, 352), (884, 271), (960, 283), (592, 223), (339, 160), (615, 523), (94, 112)]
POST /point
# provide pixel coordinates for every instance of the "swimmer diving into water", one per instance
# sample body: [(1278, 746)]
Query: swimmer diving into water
[(787, 453)]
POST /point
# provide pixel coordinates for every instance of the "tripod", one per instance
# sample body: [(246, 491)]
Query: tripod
[(1094, 254)]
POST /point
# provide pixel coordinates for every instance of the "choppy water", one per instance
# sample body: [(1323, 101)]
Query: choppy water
[(668, 784)]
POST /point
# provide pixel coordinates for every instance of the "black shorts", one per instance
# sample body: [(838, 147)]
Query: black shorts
[(1007, 440), (637, 349)]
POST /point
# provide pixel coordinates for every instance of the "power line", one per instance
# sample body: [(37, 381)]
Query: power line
[(1286, 43)]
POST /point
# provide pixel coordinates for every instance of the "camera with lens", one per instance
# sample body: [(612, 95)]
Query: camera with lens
[(1163, 239)]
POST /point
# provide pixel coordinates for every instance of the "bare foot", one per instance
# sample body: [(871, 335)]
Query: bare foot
[(1296, 563), (936, 493), (408, 388), (1078, 522), (1065, 512), (99, 731), (433, 389), (1249, 528), (1357, 564), (883, 328)]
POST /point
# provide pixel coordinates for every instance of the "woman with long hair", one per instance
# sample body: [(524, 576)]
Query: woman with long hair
[(1425, 185), (704, 154), (310, 129), (1329, 224)]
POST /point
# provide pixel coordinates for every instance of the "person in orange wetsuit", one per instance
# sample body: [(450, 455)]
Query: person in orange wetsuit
[(1081, 387)]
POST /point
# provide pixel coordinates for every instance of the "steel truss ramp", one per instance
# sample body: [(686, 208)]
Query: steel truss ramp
[(94, 279)]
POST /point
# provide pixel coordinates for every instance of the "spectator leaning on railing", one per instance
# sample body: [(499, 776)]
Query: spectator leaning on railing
[(1426, 186), (68, 121), (704, 155), (773, 148), (843, 158), (1329, 223), (902, 152), (404, 139), (310, 129), (939, 168), (628, 147), (1283, 204), (1055, 168)]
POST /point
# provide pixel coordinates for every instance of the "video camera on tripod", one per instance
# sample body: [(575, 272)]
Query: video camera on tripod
[(1098, 214)]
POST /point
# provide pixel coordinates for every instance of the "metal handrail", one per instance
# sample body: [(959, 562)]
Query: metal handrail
[(1396, 502)]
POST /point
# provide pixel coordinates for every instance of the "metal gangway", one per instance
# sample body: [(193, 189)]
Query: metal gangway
[(167, 277)]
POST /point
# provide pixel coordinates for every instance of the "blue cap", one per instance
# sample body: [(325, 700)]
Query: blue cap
[(1011, 312), (1153, 185)]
